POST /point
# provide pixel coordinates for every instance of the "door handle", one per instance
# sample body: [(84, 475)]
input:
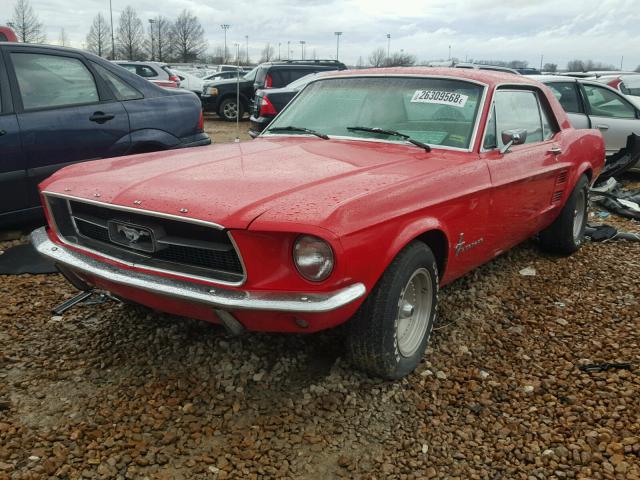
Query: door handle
[(602, 127), (101, 117), (555, 150)]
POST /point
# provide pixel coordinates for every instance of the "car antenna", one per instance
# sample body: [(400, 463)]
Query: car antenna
[(237, 93)]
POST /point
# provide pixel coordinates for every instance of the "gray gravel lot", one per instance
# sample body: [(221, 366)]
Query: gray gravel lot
[(116, 391)]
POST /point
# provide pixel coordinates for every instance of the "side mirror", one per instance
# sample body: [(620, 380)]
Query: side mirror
[(517, 136)]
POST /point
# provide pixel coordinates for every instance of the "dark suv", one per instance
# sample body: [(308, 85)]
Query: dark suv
[(60, 106), (220, 96)]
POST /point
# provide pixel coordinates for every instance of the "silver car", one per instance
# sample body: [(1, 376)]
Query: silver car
[(155, 72), (592, 104)]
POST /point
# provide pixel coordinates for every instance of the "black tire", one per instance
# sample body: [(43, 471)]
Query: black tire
[(373, 342), (566, 234), (228, 110)]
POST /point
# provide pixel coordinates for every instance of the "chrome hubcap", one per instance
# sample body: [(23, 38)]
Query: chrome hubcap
[(579, 214), (230, 110), (414, 310)]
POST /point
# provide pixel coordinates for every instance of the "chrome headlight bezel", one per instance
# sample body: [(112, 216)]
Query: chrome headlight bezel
[(313, 257)]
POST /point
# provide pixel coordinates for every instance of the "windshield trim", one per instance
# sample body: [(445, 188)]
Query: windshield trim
[(476, 126)]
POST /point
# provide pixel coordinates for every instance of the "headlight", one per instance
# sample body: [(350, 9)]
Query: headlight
[(212, 91), (313, 258)]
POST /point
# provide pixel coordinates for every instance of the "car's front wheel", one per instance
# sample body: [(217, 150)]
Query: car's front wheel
[(390, 332), (566, 234), (229, 110)]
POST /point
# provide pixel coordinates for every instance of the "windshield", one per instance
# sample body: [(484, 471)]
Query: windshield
[(438, 112)]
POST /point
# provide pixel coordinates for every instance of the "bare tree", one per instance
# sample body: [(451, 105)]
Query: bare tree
[(63, 39), (130, 35), (160, 45), (217, 57), (267, 53), (26, 24), (98, 36), (550, 67), (400, 59), (378, 57), (188, 37)]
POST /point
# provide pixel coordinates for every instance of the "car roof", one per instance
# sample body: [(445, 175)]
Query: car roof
[(491, 78)]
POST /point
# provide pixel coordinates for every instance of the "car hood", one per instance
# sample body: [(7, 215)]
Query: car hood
[(297, 179)]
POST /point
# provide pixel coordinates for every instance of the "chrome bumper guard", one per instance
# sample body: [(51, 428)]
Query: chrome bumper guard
[(213, 296)]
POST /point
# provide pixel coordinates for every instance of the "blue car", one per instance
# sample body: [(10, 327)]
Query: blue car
[(60, 106)]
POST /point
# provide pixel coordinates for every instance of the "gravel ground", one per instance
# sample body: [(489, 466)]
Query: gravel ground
[(116, 391)]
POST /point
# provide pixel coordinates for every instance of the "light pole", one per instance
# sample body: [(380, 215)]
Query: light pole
[(302, 42), (151, 22), (246, 37), (388, 45), (337, 34), (113, 38), (279, 58), (225, 27), (288, 50)]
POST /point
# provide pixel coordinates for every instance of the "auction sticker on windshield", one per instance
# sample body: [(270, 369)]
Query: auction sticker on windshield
[(441, 97)]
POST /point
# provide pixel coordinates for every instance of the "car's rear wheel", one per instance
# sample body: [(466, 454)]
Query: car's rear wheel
[(566, 234), (229, 110), (390, 332)]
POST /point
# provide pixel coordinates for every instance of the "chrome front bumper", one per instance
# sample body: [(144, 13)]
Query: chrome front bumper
[(214, 296)]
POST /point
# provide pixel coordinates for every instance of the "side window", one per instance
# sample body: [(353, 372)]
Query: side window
[(517, 109), (490, 139), (52, 80), (120, 89), (146, 72), (131, 68), (567, 95), (605, 103), (549, 128)]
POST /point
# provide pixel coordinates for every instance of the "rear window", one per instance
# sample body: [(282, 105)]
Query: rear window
[(121, 89), (261, 73)]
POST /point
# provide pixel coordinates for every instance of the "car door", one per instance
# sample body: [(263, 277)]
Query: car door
[(13, 171), (65, 112), (569, 95), (612, 114), (526, 178)]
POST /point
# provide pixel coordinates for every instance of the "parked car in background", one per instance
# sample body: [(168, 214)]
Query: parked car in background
[(627, 83), (527, 71), (281, 73), (369, 191), (155, 72), (7, 35), (220, 96), (480, 66), (225, 75), (59, 106), (269, 102), (189, 81), (592, 104)]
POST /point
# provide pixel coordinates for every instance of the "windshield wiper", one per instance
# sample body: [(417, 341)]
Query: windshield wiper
[(291, 128), (395, 133)]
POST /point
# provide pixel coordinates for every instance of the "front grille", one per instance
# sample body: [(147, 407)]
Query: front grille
[(148, 240)]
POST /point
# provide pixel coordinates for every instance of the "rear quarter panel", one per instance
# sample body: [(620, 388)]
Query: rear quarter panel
[(176, 115)]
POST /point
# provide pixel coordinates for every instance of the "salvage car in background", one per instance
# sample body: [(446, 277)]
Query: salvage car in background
[(267, 103), (59, 106), (220, 96), (628, 84), (591, 104), (189, 81), (155, 72), (370, 190)]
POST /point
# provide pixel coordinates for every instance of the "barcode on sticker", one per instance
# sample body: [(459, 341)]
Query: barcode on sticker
[(441, 97)]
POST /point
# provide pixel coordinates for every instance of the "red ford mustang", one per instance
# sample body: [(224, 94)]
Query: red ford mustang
[(368, 192)]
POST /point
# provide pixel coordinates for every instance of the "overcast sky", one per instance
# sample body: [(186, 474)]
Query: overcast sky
[(561, 30)]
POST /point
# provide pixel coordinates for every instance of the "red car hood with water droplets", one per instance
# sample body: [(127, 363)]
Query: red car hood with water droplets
[(233, 184)]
